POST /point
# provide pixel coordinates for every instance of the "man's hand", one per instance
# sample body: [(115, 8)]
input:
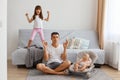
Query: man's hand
[(65, 44), (46, 55), (45, 44), (64, 55)]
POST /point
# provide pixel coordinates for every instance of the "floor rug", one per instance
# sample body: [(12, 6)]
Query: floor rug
[(96, 74)]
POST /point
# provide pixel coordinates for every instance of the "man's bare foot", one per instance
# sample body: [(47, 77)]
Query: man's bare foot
[(65, 72)]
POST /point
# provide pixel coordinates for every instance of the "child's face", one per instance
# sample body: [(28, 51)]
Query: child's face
[(86, 56), (38, 11)]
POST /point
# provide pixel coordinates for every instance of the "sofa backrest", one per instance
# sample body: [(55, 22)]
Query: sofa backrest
[(91, 35)]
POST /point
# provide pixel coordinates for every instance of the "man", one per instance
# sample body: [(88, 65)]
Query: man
[(55, 55)]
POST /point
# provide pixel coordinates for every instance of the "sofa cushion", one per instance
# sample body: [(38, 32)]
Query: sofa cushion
[(18, 56)]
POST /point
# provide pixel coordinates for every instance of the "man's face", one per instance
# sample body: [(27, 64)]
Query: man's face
[(55, 38)]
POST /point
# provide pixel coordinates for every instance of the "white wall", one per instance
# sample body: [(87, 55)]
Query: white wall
[(3, 39), (64, 14)]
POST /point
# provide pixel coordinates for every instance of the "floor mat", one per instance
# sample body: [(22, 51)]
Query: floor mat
[(96, 74)]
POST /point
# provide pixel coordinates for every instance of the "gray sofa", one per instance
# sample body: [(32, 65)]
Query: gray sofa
[(18, 56)]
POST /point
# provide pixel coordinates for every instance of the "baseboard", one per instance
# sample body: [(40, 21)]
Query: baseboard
[(21, 66), (98, 65)]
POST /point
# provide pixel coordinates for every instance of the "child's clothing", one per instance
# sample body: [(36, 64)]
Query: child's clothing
[(82, 63), (38, 23), (38, 28)]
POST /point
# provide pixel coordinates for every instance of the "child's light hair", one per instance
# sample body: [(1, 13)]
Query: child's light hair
[(86, 56)]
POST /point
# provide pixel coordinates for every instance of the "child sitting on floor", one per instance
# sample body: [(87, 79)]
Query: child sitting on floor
[(83, 63)]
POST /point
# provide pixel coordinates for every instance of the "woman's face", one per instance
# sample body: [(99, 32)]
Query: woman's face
[(38, 11)]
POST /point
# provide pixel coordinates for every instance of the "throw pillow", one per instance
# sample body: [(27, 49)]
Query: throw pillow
[(78, 43), (84, 44), (70, 43)]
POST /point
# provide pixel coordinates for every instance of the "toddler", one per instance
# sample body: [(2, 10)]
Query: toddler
[(83, 63)]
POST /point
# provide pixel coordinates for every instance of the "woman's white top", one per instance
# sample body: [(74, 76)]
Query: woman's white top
[(38, 23)]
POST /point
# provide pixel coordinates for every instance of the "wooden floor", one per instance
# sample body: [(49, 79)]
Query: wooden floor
[(15, 73)]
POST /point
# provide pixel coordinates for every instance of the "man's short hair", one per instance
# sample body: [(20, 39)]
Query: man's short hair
[(54, 33)]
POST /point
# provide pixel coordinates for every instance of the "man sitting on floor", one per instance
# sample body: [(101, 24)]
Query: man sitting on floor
[(55, 55)]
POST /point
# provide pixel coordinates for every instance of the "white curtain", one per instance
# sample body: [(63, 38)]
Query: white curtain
[(112, 33)]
